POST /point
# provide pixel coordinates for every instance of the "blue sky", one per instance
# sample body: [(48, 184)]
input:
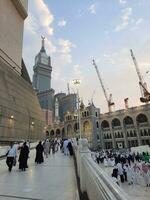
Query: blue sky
[(77, 31)]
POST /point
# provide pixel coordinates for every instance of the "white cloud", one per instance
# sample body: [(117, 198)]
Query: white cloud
[(62, 23), (31, 25), (44, 16), (92, 8), (65, 46), (139, 21), (122, 1), (126, 14)]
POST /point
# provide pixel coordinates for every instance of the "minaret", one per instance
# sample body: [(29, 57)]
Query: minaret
[(57, 111), (42, 70)]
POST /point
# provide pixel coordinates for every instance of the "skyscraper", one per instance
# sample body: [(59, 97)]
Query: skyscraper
[(42, 70)]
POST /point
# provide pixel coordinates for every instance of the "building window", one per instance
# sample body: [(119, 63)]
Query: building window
[(97, 125), (135, 134), (96, 114)]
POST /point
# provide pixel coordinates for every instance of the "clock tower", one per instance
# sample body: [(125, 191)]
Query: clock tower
[(42, 70)]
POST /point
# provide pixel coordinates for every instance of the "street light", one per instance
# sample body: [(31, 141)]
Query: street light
[(77, 82)]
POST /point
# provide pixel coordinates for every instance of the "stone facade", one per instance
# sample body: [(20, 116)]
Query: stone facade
[(12, 15), (20, 112), (70, 127), (119, 129), (126, 128)]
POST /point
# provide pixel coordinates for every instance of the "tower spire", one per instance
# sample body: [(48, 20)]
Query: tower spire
[(43, 44)]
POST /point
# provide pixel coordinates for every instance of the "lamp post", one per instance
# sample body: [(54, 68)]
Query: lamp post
[(77, 82)]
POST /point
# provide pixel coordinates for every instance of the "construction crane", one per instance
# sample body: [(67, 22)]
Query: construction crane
[(110, 103), (143, 86)]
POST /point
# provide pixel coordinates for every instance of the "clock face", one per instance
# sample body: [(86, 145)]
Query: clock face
[(44, 60)]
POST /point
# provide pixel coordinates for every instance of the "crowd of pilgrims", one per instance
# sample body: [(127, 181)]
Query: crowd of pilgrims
[(20, 152), (128, 167)]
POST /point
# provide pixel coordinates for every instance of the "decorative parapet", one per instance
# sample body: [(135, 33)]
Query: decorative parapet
[(20, 8), (126, 111)]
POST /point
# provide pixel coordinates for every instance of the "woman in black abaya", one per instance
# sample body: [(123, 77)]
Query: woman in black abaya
[(39, 153), (23, 157)]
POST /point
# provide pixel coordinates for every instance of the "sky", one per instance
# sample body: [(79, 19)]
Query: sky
[(78, 31)]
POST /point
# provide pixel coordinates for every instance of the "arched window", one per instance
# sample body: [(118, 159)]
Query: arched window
[(141, 118), (47, 133), (105, 124), (52, 133), (116, 122), (97, 125), (69, 130), (128, 121), (87, 129), (57, 132), (76, 126)]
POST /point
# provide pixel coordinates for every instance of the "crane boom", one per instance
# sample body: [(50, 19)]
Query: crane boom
[(137, 67), (108, 99), (143, 86), (101, 82)]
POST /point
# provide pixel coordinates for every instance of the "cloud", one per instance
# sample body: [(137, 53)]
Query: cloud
[(62, 23), (136, 24), (65, 46), (31, 25), (92, 8), (126, 14), (43, 15), (139, 21), (122, 2)]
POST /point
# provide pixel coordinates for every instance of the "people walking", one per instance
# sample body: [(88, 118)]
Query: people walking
[(46, 147), (11, 156), (39, 153), (70, 148), (65, 144), (23, 157)]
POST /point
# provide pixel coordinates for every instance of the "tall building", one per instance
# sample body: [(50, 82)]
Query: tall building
[(67, 103), (42, 70), (42, 83), (20, 113)]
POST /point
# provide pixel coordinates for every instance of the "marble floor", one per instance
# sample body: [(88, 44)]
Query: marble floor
[(53, 180), (135, 191)]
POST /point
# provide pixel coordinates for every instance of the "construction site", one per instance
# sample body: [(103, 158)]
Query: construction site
[(125, 128)]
